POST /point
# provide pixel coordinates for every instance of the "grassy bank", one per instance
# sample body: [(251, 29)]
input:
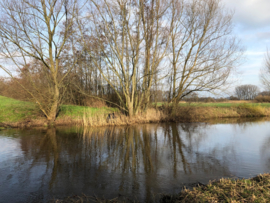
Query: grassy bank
[(12, 110), (14, 113), (20, 113), (224, 190), (227, 190)]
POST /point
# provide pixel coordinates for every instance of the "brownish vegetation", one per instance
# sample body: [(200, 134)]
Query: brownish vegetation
[(171, 113), (205, 99), (165, 113), (191, 113), (151, 115), (227, 190), (262, 99)]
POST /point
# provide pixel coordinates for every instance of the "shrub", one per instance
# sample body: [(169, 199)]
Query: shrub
[(93, 102), (262, 99), (221, 99), (233, 98)]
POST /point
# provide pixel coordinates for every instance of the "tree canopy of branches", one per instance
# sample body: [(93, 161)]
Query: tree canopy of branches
[(36, 31), (265, 73), (203, 50), (246, 92), (140, 42), (129, 38)]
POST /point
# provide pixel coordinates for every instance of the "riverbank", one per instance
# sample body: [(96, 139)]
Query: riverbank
[(14, 113), (224, 190)]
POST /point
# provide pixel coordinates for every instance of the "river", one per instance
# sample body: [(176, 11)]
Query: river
[(134, 162)]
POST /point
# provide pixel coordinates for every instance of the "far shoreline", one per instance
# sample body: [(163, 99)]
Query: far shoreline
[(21, 114), (183, 114)]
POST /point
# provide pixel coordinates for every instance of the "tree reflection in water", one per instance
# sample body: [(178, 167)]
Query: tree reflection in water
[(132, 161), (265, 151)]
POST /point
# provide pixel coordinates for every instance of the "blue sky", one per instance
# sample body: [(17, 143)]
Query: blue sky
[(252, 26)]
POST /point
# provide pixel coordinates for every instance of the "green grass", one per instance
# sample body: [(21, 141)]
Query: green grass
[(12, 110), (267, 105)]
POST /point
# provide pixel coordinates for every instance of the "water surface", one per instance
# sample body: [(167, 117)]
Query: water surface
[(136, 162)]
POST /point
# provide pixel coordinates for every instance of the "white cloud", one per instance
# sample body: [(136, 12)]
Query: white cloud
[(255, 53), (263, 36), (250, 13)]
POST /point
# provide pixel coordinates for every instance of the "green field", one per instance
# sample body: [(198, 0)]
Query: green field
[(219, 104), (12, 110)]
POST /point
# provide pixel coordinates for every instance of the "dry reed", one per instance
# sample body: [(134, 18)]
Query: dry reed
[(165, 113)]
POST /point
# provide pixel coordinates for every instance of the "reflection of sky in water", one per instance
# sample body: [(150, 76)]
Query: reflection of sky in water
[(166, 157), (237, 144), (244, 141), (9, 148)]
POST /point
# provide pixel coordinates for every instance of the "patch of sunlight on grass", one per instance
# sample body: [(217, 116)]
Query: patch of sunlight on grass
[(12, 110)]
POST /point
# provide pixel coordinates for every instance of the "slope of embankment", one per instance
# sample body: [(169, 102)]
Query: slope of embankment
[(15, 113)]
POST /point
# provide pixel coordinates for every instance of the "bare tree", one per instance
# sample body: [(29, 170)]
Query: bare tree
[(38, 30), (130, 38), (265, 72), (203, 51), (246, 92)]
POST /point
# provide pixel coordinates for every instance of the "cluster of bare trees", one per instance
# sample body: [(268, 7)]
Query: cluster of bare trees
[(246, 92), (118, 50)]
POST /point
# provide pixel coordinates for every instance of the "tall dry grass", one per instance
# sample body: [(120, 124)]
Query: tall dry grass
[(226, 190), (169, 113), (191, 113), (90, 119), (250, 110), (165, 113)]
